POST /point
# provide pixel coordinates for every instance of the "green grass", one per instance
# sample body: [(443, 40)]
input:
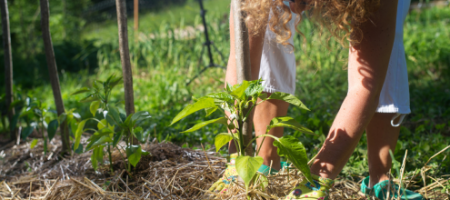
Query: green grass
[(170, 17), (162, 66)]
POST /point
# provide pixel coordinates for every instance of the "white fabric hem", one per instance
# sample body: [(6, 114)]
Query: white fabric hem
[(273, 90), (393, 109)]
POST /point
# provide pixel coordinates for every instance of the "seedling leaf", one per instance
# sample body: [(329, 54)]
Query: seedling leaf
[(78, 133), (288, 122), (33, 143), (200, 125), (27, 132), (202, 103), (81, 90), (134, 154), (51, 129), (239, 90), (288, 98), (291, 148), (94, 107), (221, 140), (247, 166)]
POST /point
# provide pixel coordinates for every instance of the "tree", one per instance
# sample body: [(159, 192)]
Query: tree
[(243, 67), (8, 63), (53, 72)]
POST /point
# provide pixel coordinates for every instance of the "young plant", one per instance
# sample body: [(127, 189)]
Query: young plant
[(235, 99), (113, 127), (36, 116)]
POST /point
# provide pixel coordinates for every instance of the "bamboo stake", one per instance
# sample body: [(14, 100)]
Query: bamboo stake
[(125, 55), (8, 63), (136, 16), (53, 73), (243, 69)]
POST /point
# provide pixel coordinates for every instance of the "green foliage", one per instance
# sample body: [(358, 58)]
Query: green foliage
[(112, 128), (247, 166), (240, 100)]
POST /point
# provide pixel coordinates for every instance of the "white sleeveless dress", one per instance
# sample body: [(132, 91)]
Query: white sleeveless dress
[(278, 68)]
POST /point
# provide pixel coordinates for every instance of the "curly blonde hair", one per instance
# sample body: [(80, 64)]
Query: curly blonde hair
[(340, 17)]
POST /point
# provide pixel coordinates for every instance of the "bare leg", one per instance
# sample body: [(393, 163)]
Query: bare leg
[(381, 137), (264, 113)]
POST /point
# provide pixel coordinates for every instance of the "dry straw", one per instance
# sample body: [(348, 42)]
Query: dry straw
[(170, 172)]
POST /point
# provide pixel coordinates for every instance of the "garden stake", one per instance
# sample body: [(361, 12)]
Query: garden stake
[(243, 69), (8, 63), (53, 73)]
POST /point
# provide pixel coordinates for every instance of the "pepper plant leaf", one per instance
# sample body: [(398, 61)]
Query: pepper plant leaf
[(97, 157), (291, 148), (247, 166), (89, 98), (134, 154), (27, 131), (288, 122), (139, 117), (221, 140), (288, 98), (200, 125), (202, 103), (81, 90), (238, 91), (51, 129), (113, 116), (255, 88), (99, 138), (33, 143), (210, 111), (221, 97), (117, 137), (78, 133), (94, 107)]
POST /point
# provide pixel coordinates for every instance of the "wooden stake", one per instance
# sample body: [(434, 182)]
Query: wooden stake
[(53, 72), (136, 16), (8, 63), (243, 69), (125, 55)]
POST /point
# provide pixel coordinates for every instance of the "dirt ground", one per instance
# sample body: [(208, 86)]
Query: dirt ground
[(169, 172)]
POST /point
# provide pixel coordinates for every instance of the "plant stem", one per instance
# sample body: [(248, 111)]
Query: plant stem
[(110, 159)]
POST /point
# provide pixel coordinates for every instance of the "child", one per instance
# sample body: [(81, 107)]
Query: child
[(377, 99)]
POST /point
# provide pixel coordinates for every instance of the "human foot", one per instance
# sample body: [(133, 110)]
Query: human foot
[(308, 191), (380, 191)]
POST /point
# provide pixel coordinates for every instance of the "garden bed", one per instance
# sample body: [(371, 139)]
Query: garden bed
[(169, 172)]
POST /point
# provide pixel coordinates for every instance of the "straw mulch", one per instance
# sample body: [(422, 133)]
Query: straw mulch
[(170, 172)]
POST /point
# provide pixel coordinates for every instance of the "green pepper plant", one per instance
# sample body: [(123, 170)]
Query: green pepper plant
[(36, 117), (113, 127), (237, 99)]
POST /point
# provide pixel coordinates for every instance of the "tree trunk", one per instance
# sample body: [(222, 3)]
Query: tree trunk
[(125, 55), (243, 69), (53, 72), (8, 63)]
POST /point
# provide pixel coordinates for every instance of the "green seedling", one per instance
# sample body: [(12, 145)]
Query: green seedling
[(245, 97), (38, 118), (111, 126)]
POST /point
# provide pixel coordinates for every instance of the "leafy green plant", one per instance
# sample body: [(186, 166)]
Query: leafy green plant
[(112, 125), (36, 117), (235, 100)]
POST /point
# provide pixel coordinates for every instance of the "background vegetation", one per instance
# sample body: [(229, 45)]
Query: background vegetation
[(165, 58)]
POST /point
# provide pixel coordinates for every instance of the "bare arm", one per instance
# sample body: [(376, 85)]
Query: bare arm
[(368, 64)]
